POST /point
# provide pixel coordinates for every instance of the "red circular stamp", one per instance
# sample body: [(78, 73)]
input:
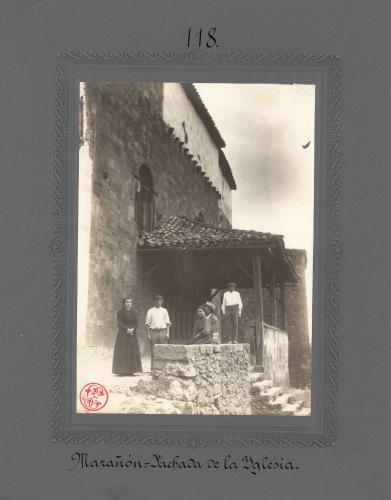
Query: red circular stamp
[(93, 396)]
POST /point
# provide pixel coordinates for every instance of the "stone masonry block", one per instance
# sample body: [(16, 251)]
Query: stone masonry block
[(177, 389), (179, 369), (205, 349), (203, 375), (175, 352)]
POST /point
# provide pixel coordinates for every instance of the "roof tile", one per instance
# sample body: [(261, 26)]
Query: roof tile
[(180, 231)]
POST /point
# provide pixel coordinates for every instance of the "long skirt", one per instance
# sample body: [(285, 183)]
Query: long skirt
[(126, 357)]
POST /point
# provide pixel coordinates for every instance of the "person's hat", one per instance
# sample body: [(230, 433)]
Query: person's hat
[(231, 283), (210, 306), (157, 297)]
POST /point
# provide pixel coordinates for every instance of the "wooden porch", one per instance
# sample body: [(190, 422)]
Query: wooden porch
[(189, 269)]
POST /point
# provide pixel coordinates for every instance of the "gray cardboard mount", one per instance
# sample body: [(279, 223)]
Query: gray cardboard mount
[(35, 463)]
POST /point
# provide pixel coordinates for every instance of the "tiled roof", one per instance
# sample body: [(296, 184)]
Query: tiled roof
[(182, 232)]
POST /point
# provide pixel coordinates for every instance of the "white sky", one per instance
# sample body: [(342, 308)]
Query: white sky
[(264, 127)]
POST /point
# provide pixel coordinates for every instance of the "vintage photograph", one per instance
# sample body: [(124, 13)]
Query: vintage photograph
[(195, 248)]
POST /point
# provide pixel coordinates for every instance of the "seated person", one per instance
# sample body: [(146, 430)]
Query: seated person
[(212, 321), (200, 330)]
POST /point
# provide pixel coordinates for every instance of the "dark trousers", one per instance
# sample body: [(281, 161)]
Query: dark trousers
[(231, 323), (158, 336)]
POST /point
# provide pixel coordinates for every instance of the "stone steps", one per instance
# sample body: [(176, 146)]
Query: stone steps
[(270, 395), (270, 400), (255, 377), (291, 409), (256, 368), (261, 387), (279, 402)]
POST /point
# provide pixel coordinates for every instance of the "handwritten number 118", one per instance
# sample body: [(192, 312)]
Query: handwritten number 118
[(199, 36)]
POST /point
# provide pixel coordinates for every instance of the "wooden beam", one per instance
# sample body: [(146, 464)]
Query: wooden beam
[(273, 301), (258, 307), (155, 266), (214, 295), (283, 307), (239, 265), (217, 248)]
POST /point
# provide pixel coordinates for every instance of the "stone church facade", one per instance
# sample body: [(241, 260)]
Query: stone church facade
[(150, 151)]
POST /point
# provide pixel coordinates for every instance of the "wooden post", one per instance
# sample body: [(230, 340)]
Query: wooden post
[(273, 301), (283, 307), (258, 306)]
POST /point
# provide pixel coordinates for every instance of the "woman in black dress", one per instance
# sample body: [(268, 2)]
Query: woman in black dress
[(126, 357)]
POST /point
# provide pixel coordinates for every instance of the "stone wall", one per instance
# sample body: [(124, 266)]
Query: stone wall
[(210, 379), (190, 129), (226, 203), (84, 218), (124, 130), (299, 344), (275, 356)]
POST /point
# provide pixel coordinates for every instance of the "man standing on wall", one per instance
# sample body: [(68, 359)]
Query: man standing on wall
[(158, 324), (232, 310)]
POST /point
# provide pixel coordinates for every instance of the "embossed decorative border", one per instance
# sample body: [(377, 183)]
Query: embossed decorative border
[(331, 64)]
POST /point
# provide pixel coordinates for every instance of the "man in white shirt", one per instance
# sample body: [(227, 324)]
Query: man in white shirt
[(157, 324), (232, 309)]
